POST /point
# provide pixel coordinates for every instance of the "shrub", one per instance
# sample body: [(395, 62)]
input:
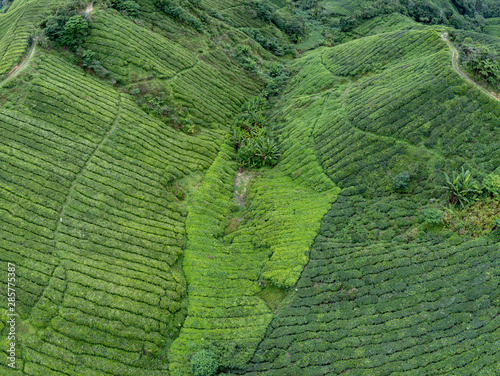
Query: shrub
[(497, 225), (275, 69), (461, 187), (203, 363), (491, 185), (129, 6), (175, 9), (400, 181), (241, 49), (88, 58), (266, 152), (433, 216), (246, 153), (54, 26)]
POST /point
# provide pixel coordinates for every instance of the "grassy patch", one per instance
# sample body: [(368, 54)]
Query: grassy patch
[(474, 220)]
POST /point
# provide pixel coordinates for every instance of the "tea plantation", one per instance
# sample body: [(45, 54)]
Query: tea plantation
[(147, 242)]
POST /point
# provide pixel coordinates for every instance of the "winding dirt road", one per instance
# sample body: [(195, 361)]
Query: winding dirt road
[(454, 63)]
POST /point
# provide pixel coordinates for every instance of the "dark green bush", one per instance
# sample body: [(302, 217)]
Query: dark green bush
[(88, 58), (400, 181), (266, 152), (271, 44), (54, 26), (128, 6), (433, 216), (204, 363), (178, 9), (294, 27), (497, 225)]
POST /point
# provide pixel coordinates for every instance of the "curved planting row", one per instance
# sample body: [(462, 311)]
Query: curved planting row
[(42, 155), (96, 225), (115, 298), (236, 263), (211, 85), (125, 48), (382, 309), (423, 116), (378, 52)]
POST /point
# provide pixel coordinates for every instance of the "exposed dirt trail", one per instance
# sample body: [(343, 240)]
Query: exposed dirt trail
[(454, 63), (17, 69)]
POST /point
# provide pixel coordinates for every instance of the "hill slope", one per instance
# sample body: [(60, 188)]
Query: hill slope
[(138, 240), (376, 298)]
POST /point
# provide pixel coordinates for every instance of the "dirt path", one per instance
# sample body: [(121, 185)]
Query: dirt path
[(454, 63), (89, 9), (18, 68), (241, 184)]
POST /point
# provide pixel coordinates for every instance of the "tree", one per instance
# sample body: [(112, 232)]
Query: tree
[(75, 31)]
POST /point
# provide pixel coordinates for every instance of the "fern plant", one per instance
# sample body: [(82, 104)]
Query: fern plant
[(461, 187)]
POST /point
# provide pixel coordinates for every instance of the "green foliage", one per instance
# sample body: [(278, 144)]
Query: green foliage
[(491, 185), (180, 10), (204, 363), (482, 60), (89, 61), (155, 100), (129, 7), (400, 181), (17, 24), (54, 26), (477, 219), (269, 43), (461, 187), (221, 276), (74, 32), (276, 77), (433, 216), (88, 57), (294, 26), (255, 144), (258, 152), (89, 166), (68, 31), (497, 225)]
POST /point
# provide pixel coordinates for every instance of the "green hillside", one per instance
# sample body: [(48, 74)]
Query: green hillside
[(377, 297), (180, 180)]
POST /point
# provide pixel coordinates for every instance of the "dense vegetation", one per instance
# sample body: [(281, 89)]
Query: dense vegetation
[(268, 187)]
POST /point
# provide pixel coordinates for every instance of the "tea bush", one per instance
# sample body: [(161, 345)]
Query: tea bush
[(491, 185), (203, 363), (400, 181)]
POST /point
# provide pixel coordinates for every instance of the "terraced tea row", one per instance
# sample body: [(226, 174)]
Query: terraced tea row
[(15, 26), (416, 309), (222, 279), (118, 215), (126, 49), (212, 85)]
